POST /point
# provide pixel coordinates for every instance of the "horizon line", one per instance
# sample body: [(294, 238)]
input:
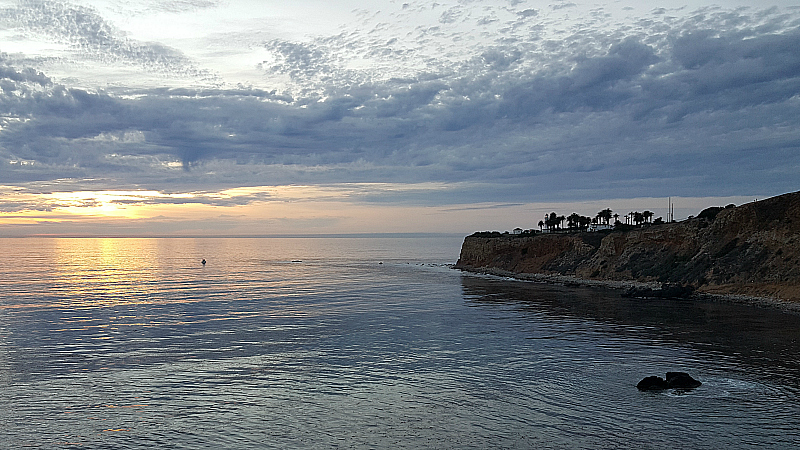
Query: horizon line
[(236, 236)]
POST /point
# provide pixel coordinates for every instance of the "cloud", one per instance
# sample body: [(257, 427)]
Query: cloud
[(88, 36), (703, 105), (174, 6), (597, 83), (563, 6), (298, 60), (733, 72)]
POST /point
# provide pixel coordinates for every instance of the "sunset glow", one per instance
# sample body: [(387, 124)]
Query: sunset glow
[(269, 210)]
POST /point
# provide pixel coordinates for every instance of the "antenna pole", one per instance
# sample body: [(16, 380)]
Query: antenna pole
[(671, 213)]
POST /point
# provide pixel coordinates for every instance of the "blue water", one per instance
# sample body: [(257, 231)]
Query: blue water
[(365, 343)]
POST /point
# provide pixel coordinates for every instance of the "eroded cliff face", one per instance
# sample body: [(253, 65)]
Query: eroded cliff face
[(753, 249)]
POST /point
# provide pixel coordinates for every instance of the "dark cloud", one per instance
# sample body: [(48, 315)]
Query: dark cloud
[(195, 199), (596, 83), (500, 59)]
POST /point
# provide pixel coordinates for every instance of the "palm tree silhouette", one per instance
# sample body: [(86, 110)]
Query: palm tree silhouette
[(605, 215), (573, 221)]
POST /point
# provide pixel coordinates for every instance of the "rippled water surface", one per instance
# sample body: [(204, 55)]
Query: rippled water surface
[(365, 343)]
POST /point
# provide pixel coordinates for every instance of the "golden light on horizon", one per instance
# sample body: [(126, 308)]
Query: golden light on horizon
[(31, 207), (107, 204), (77, 205), (267, 210), (23, 207), (339, 208)]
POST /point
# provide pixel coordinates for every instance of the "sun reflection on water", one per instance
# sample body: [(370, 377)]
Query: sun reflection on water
[(97, 272)]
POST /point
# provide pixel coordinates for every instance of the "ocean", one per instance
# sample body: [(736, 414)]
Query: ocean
[(370, 342)]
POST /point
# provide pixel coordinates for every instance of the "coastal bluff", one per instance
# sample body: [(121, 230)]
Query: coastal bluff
[(749, 250)]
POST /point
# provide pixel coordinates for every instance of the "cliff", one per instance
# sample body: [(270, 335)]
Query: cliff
[(753, 249)]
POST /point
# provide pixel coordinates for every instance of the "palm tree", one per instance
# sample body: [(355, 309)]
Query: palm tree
[(605, 215), (541, 225), (573, 221), (648, 215), (585, 222), (551, 221)]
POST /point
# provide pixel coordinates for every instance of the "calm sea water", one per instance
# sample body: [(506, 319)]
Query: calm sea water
[(365, 343)]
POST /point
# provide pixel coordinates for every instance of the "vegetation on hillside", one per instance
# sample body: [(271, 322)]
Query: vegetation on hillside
[(604, 220)]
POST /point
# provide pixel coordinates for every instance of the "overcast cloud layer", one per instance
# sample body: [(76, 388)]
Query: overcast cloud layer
[(486, 101)]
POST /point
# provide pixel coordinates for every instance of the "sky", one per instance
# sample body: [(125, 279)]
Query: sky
[(259, 117)]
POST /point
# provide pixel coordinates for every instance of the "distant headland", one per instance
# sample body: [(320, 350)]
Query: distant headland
[(749, 252)]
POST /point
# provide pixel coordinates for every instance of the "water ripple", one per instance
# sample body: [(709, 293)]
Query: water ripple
[(257, 351)]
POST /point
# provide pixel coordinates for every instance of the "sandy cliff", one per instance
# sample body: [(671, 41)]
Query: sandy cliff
[(753, 249)]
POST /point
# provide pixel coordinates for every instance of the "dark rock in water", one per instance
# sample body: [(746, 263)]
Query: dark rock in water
[(653, 383), (681, 380), (675, 380)]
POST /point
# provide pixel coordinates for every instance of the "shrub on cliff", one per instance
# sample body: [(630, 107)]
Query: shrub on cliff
[(710, 213)]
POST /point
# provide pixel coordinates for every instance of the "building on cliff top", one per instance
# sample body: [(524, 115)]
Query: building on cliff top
[(600, 227)]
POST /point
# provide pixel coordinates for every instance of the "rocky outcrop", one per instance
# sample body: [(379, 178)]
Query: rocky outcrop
[(534, 254), (753, 249), (674, 380)]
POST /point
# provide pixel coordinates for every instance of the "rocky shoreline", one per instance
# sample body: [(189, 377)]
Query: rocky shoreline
[(565, 280), (638, 286)]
